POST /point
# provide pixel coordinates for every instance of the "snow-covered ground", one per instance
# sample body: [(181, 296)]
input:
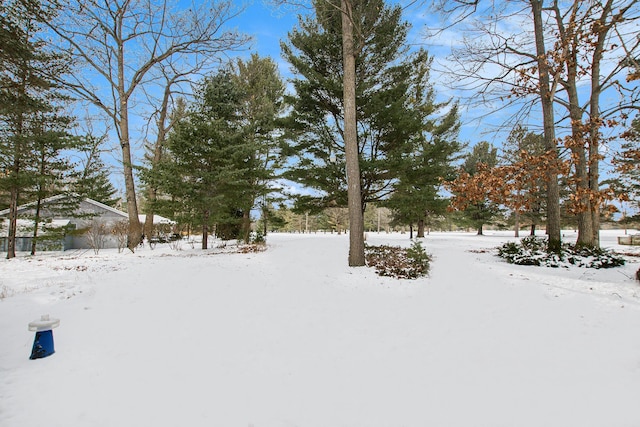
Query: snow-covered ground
[(294, 337)]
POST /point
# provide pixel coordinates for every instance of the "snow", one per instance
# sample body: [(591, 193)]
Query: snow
[(294, 337)]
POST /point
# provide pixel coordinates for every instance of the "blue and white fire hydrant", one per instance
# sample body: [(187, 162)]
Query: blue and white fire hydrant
[(43, 343)]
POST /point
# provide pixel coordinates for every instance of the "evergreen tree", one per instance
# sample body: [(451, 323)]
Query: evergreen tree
[(204, 174), (628, 167), (262, 103), (93, 179), (53, 168), (416, 198), (33, 129), (386, 118)]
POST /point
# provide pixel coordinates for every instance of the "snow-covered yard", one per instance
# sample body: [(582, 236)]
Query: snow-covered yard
[(294, 337)]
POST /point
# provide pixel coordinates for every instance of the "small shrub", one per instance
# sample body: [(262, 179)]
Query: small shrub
[(257, 237), (419, 257), (394, 261), (516, 254), (534, 244), (121, 229), (532, 251), (250, 248), (593, 257), (96, 235)]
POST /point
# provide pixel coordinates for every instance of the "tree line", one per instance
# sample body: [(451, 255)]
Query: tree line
[(362, 125)]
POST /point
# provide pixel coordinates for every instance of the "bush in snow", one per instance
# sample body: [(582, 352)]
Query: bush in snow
[(532, 251), (638, 275), (394, 261), (257, 237), (593, 257), (251, 247)]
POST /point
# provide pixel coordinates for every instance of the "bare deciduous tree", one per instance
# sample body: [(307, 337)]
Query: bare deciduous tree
[(120, 230), (96, 235), (557, 62), (119, 44)]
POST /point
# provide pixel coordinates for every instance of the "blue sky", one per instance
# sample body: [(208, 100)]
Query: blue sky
[(267, 25)]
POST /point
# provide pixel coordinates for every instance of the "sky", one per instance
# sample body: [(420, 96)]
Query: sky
[(268, 25)]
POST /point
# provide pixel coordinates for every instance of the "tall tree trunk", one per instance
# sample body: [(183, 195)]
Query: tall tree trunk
[(36, 219), (595, 119), (265, 219), (246, 225), (152, 195), (420, 228), (134, 234), (546, 99), (579, 153), (152, 192), (516, 226), (594, 183), (577, 144), (14, 191), (352, 155), (36, 223), (14, 194), (205, 229), (13, 220)]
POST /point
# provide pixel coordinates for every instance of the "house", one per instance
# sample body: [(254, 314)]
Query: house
[(91, 224)]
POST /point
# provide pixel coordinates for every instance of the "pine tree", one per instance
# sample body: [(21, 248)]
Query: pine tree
[(262, 103), (416, 198), (386, 122), (93, 180), (33, 129), (628, 167), (204, 174)]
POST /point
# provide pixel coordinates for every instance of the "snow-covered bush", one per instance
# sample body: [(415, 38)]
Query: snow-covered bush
[(520, 254), (394, 261), (257, 237), (593, 257), (532, 251)]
